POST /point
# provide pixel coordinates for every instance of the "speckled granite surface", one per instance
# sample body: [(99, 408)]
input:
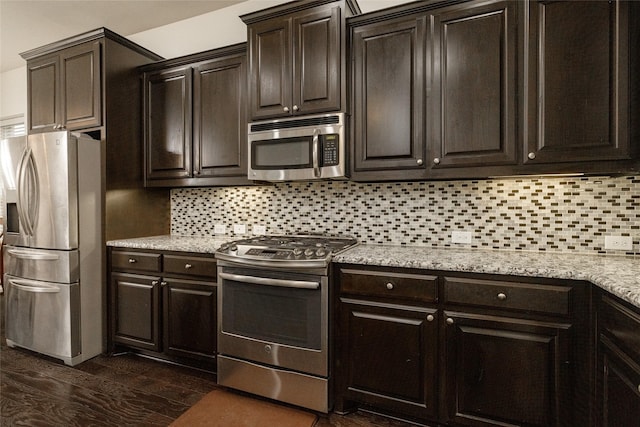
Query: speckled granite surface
[(618, 275), (173, 243)]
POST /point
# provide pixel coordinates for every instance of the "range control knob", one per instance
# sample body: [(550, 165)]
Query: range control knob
[(309, 252), (297, 252), (233, 248), (321, 252)]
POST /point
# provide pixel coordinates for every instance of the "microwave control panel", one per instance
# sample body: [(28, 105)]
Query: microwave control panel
[(330, 150)]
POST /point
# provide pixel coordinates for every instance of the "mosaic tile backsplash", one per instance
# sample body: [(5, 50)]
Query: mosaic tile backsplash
[(535, 214)]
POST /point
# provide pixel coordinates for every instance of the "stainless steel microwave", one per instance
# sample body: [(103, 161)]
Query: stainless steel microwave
[(302, 148)]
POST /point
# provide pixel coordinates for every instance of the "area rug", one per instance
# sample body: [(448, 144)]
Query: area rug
[(221, 408)]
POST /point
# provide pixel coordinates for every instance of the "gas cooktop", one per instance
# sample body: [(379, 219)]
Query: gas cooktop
[(290, 250)]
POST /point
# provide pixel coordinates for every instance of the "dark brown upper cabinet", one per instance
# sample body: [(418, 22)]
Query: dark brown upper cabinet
[(474, 89), (388, 116), (64, 89), (473, 103), (296, 57), (196, 120), (578, 81)]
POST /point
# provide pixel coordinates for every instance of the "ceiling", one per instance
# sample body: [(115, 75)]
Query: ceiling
[(28, 24)]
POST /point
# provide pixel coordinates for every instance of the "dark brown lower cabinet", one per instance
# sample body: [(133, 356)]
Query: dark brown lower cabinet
[(618, 396), (506, 371), (170, 315), (463, 349), (390, 357)]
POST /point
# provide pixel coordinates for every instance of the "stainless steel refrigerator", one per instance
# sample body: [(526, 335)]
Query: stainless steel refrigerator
[(53, 269)]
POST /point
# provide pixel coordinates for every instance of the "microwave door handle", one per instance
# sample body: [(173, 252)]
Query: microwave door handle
[(316, 153), (300, 284)]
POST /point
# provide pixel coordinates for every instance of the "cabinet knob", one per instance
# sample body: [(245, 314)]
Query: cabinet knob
[(163, 283), (450, 321), (285, 109), (430, 318), (154, 282), (389, 285), (196, 173), (436, 161), (502, 296), (295, 108), (419, 161), (531, 155), (132, 260), (187, 266), (267, 349)]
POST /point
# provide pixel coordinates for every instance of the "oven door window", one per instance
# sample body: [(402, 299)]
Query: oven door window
[(282, 315), (287, 153)]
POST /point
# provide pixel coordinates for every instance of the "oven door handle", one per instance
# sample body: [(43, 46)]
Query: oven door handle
[(300, 284)]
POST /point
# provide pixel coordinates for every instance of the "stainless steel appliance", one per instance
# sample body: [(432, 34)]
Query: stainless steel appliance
[(308, 148), (54, 243), (273, 317)]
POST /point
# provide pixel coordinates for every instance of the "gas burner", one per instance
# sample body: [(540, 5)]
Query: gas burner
[(296, 250)]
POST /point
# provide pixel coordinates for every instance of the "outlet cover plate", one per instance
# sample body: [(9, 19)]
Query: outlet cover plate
[(618, 243), (259, 230), (219, 229), (239, 229)]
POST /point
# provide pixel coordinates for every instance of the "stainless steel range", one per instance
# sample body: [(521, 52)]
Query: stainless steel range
[(273, 317)]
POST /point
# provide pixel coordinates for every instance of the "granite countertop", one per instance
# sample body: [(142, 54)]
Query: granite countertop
[(207, 245), (618, 275)]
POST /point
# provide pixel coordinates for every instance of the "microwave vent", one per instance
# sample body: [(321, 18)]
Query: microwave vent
[(296, 123)]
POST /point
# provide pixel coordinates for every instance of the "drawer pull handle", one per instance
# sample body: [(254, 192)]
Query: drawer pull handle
[(430, 318), (502, 296), (132, 260), (389, 285), (450, 321), (154, 282), (187, 266)]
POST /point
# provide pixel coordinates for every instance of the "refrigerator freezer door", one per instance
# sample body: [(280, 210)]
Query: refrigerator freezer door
[(43, 317), (11, 151), (40, 264), (47, 192)]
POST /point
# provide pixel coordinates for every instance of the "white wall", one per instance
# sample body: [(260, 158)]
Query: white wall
[(13, 92)]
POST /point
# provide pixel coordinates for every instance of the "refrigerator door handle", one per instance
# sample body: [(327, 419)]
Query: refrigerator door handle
[(31, 255), (28, 198), (33, 286)]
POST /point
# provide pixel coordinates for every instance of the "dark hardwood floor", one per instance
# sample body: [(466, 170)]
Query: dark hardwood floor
[(123, 390)]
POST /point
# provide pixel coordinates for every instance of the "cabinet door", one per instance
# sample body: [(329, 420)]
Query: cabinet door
[(167, 119), (135, 310), (502, 371), (81, 86), (189, 318), (220, 119), (387, 357), (270, 68), (316, 61), (620, 393), (473, 107), (43, 87), (389, 77), (578, 81)]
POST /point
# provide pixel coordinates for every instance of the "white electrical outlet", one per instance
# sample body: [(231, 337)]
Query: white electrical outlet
[(219, 229), (239, 229), (259, 230), (461, 237), (619, 243)]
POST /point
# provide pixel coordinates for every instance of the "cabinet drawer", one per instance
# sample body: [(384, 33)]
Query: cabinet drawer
[(193, 266), (138, 261), (387, 284), (622, 323), (507, 295)]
